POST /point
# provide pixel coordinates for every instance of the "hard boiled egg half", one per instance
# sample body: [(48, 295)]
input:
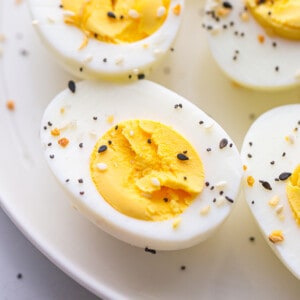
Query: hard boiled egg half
[(106, 38), (270, 154), (256, 43), (141, 162)]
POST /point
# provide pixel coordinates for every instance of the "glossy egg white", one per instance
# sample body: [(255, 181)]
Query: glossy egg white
[(100, 59), (271, 147), (82, 118), (235, 46)]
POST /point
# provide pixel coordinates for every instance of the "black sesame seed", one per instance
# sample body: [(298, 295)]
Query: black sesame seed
[(252, 202), (221, 193), (227, 4), (266, 185), (80, 180), (283, 154), (72, 86), (80, 145), (276, 68), (109, 142), (19, 275), (182, 268), (249, 155), (212, 187), (207, 183), (49, 144), (184, 178), (81, 193), (116, 127), (67, 180), (80, 69), (152, 251), (141, 76), (102, 148), (201, 122), (272, 162), (95, 118), (110, 14), (45, 127), (214, 200), (182, 156), (149, 141), (166, 199), (49, 124), (104, 60), (51, 156), (208, 149), (284, 176), (223, 143), (229, 199), (251, 238)]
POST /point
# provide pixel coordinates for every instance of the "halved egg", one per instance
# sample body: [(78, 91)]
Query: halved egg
[(256, 43), (270, 155), (141, 162), (115, 39)]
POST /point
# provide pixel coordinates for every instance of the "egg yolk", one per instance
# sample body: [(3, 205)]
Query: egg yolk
[(113, 21), (278, 17), (146, 170), (293, 193)]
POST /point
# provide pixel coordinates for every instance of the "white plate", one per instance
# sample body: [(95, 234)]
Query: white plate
[(226, 266)]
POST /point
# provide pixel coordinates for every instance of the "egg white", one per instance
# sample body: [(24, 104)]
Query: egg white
[(139, 100), (267, 154), (122, 60), (235, 47)]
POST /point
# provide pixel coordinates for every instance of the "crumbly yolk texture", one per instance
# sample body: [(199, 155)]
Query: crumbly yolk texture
[(278, 17), (151, 171), (293, 193), (113, 21)]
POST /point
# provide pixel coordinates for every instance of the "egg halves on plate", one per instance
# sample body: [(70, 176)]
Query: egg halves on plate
[(141, 162), (256, 43), (270, 154), (115, 39)]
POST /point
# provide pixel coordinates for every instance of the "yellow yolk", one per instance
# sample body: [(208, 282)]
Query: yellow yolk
[(146, 170), (278, 17), (293, 193), (117, 21)]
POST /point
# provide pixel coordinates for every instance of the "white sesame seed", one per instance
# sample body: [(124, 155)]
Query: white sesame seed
[(88, 59), (279, 209), (132, 13), (157, 52), (131, 133), (290, 139), (221, 184), (119, 60), (35, 22), (205, 210), (297, 75), (161, 11), (102, 166), (68, 13), (2, 38), (135, 71), (176, 223), (155, 181), (51, 20), (209, 126), (220, 201)]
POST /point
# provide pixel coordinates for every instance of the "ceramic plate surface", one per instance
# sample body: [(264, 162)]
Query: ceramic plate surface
[(229, 265)]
